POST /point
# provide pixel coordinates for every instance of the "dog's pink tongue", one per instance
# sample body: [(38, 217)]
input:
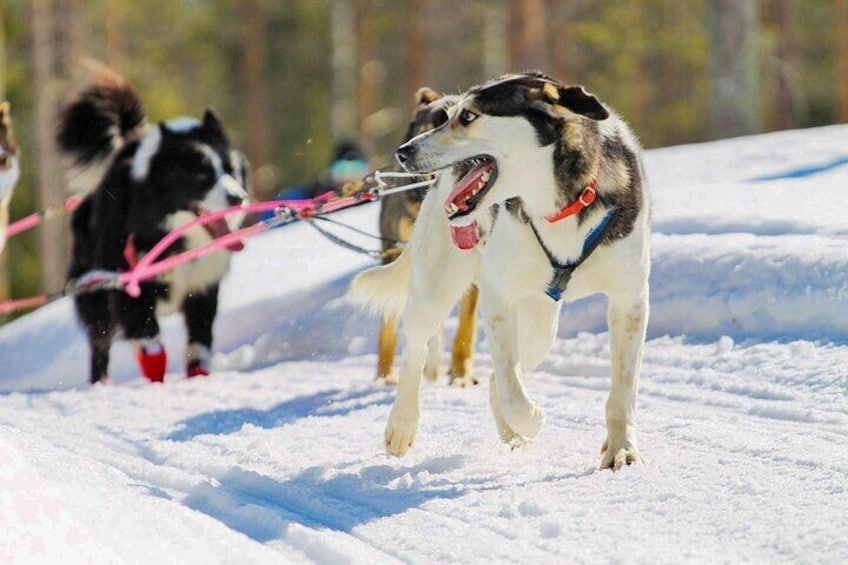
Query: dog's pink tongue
[(219, 228), (463, 190), (465, 237)]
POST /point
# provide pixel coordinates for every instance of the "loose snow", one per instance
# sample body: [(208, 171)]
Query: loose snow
[(278, 456)]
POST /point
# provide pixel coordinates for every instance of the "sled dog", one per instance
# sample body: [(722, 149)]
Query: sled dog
[(398, 213), (555, 178), (9, 168), (149, 180)]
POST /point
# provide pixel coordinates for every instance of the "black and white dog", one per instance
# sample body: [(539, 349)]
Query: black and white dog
[(541, 199), (148, 180)]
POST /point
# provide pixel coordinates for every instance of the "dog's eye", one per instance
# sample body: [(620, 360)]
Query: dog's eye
[(466, 117), (439, 118)]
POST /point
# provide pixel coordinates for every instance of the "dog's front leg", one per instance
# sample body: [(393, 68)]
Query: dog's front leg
[(627, 323), (429, 303), (518, 412), (421, 320), (402, 426), (435, 347)]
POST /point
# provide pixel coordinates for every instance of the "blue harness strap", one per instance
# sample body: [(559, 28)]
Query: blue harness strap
[(563, 271)]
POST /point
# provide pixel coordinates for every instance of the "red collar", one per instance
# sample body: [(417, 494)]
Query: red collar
[(583, 201)]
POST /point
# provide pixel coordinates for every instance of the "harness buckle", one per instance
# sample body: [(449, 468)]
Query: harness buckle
[(587, 196)]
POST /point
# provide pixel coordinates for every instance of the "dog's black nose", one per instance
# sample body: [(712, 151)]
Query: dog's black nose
[(234, 200), (404, 152)]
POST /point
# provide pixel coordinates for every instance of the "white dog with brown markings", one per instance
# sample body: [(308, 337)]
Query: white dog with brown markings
[(553, 181)]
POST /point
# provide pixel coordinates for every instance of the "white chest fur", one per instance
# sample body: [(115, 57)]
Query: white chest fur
[(194, 275)]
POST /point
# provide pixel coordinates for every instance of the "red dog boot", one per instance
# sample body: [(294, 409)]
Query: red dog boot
[(198, 359), (152, 361)]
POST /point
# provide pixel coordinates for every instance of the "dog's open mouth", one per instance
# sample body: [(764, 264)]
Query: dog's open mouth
[(477, 176), (218, 228)]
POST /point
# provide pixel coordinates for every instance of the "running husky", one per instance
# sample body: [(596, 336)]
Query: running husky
[(9, 168), (147, 181), (398, 214), (555, 179)]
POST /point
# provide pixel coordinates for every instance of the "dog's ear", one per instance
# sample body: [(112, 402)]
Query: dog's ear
[(576, 99), (4, 112), (425, 95), (212, 123)]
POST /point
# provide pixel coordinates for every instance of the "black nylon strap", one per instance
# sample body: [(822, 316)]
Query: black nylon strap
[(564, 271)]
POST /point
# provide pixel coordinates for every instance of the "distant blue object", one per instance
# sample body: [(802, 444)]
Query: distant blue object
[(294, 192), (804, 171)]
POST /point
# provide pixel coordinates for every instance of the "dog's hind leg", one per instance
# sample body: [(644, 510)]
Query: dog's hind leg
[(462, 351), (433, 362), (200, 309), (93, 310), (628, 321), (138, 319), (386, 345), (519, 412)]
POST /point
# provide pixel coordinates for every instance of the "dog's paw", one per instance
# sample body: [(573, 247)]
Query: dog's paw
[(400, 432), (431, 372), (390, 380), (152, 359), (506, 434), (526, 420), (463, 381), (622, 455)]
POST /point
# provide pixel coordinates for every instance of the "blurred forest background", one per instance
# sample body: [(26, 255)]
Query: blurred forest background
[(291, 77)]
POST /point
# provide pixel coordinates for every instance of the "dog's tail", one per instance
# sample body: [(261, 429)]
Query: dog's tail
[(96, 124), (383, 288)]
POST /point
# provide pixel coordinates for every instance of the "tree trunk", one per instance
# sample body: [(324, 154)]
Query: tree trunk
[(54, 257), (785, 105), (4, 262), (734, 96), (495, 35), (416, 46), (841, 57), (344, 57), (116, 37), (372, 72), (254, 83), (528, 32)]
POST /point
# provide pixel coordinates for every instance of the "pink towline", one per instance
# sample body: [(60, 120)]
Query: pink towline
[(13, 305), (29, 222), (148, 266)]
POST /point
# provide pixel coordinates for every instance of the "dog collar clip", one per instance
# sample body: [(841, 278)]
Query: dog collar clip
[(586, 198)]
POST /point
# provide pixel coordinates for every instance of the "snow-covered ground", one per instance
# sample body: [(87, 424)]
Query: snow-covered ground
[(278, 456)]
